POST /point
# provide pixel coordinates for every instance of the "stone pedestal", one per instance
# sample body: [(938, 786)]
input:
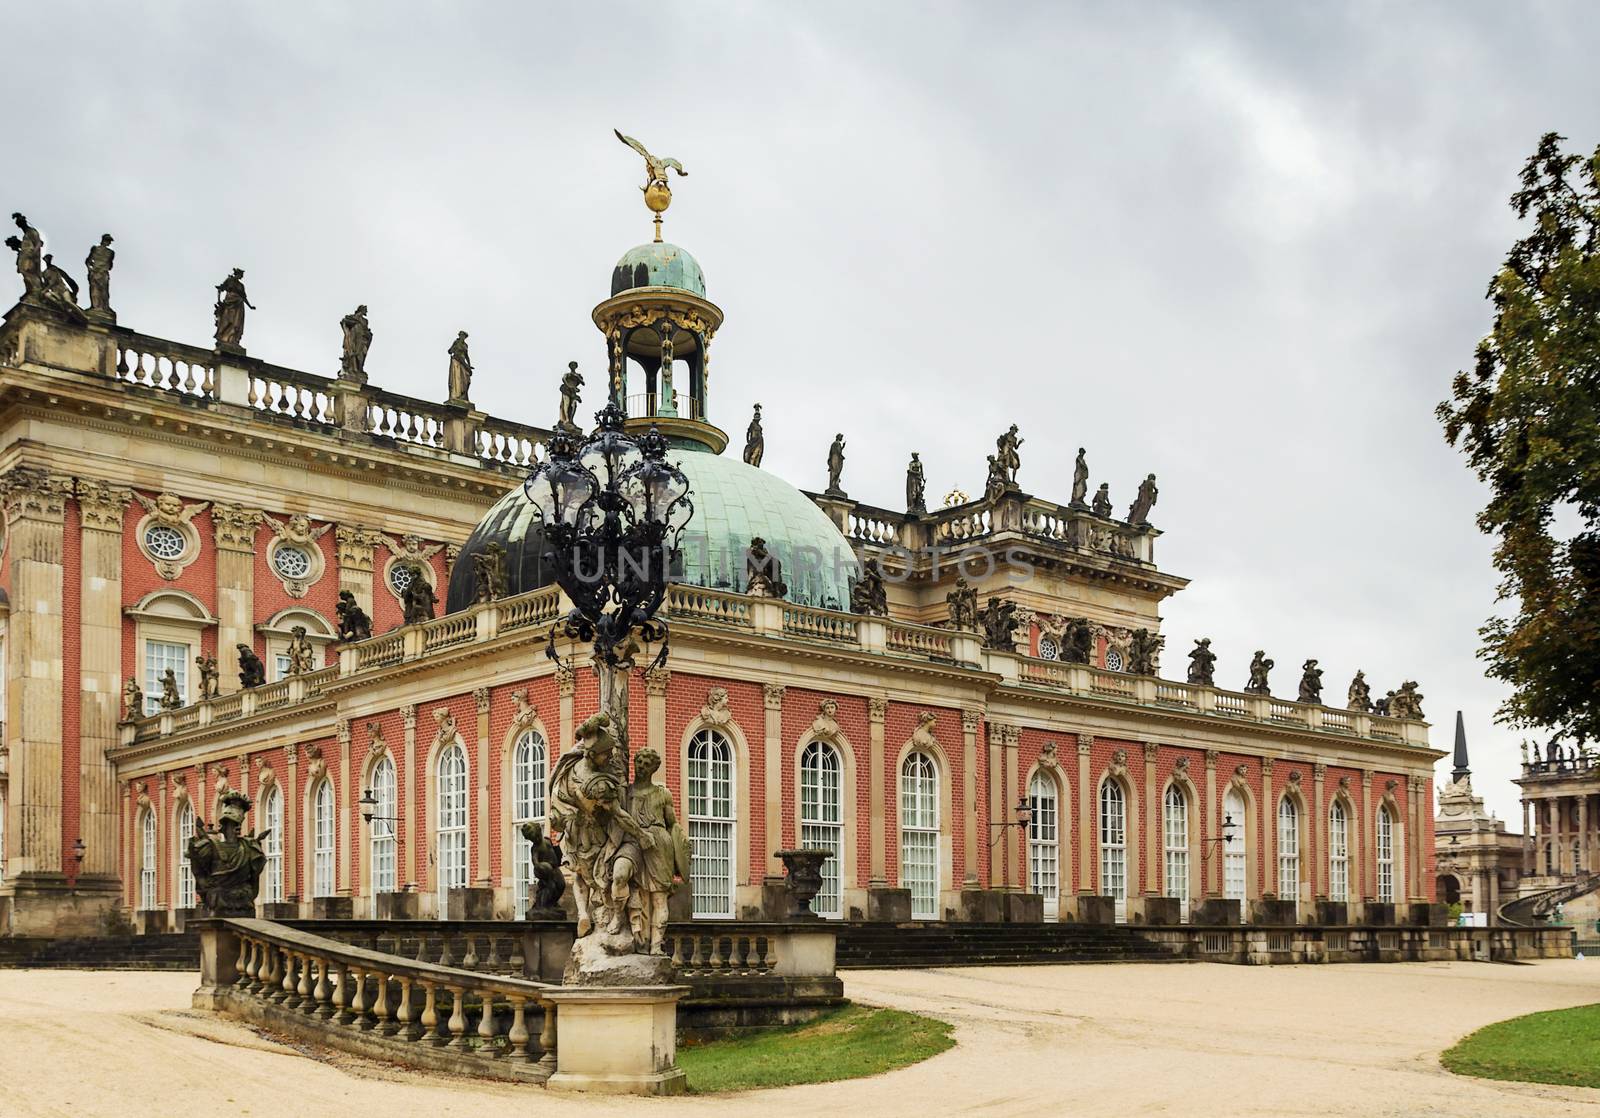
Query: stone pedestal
[(891, 906), (1424, 915), (1378, 915), (547, 945), (1273, 910), (1156, 911), (618, 1040), (1091, 909), (1332, 913), (333, 908), (680, 904), (397, 906), (774, 899), (1023, 908), (280, 910), (1217, 912), (219, 962), (469, 903), (981, 906)]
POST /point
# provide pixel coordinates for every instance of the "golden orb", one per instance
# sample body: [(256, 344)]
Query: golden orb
[(658, 197)]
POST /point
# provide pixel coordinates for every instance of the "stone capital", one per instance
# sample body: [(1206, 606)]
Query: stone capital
[(343, 730), (1005, 733), (1266, 766), (102, 504), (1318, 770), (1211, 758), (354, 546), (1150, 750), (970, 719), (409, 714), (772, 693), (566, 679), (657, 680), (34, 494), (1085, 743), (480, 696), (877, 708), (291, 753), (234, 527)]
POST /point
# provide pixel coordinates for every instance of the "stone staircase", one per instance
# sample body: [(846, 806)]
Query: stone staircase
[(156, 952), (929, 944)]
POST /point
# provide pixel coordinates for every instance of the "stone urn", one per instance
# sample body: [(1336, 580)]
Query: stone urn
[(805, 880)]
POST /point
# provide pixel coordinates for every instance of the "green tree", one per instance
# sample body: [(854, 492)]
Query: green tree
[(1528, 418)]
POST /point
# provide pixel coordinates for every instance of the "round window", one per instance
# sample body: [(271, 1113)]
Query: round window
[(165, 542), (1114, 660), (291, 561), (1049, 649), (400, 576)]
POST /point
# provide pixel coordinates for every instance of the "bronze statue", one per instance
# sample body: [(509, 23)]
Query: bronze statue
[(999, 621), (489, 573), (836, 466), (59, 291), (868, 596), (1203, 664), (1310, 682), (1143, 502), (1146, 651), (460, 369), (210, 678), (963, 602), (97, 266), (571, 384), (229, 311), (1259, 667), (28, 247), (170, 699), (655, 169), (916, 487), (357, 341), (763, 572), (252, 672), (227, 864), (1080, 481), (1102, 500), (1078, 645), (548, 884), (1359, 697), (1007, 457), (354, 624), (755, 442), (418, 599), (665, 858), (302, 657), (132, 700)]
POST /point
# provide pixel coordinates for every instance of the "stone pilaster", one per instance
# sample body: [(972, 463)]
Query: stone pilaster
[(353, 546), (1086, 831), (995, 767), (1003, 739), (971, 719), (1319, 824), (656, 682), (1369, 839), (1269, 830), (1213, 836), (878, 865), (772, 697), (1153, 846), (567, 685), (234, 529), (296, 873), (412, 829), (485, 879), (100, 507), (1416, 838), (347, 807)]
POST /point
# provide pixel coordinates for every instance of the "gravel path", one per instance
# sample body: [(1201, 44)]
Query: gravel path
[(1196, 1040)]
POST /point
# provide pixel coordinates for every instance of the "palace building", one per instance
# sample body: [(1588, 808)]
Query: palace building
[(167, 503)]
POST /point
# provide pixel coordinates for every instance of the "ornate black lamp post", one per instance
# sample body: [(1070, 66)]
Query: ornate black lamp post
[(612, 508)]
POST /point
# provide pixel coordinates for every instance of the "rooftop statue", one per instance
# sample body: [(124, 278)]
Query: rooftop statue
[(1080, 481), (1143, 502), (1381, 706), (226, 863), (963, 602), (460, 369), (1407, 702), (1259, 667), (229, 311), (357, 341), (210, 678), (418, 599), (1102, 500), (999, 621), (916, 486), (1007, 448), (836, 465), (97, 266), (302, 657), (1359, 697), (868, 596), (489, 573), (1203, 664), (1077, 647), (763, 572), (571, 384), (1310, 682), (59, 291), (132, 700), (354, 624), (28, 247), (657, 192), (170, 699), (1145, 652), (994, 485), (755, 443), (252, 672)]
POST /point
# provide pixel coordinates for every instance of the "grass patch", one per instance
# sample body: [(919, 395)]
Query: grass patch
[(1561, 1046), (846, 1043)]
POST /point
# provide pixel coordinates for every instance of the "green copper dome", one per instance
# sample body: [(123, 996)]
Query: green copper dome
[(658, 265), (733, 502)]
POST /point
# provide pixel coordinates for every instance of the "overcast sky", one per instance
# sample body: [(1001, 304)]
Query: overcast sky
[(1241, 246)]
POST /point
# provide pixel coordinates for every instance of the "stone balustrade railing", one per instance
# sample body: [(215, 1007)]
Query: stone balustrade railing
[(410, 1011), (722, 609)]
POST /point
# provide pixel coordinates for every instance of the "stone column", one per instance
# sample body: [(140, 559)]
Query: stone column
[(410, 826), (354, 546), (347, 807), (1583, 833), (1086, 831), (772, 702), (1212, 885), (1269, 831), (1319, 824), (1416, 855), (971, 718), (485, 879), (567, 685), (1153, 846), (1369, 839), (878, 864), (234, 528), (293, 869), (101, 507), (997, 808), (1527, 836), (656, 682), (35, 507), (1004, 738)]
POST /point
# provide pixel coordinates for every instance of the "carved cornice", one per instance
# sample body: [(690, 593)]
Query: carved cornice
[(35, 494), (353, 546), (101, 504), (234, 527), (772, 695)]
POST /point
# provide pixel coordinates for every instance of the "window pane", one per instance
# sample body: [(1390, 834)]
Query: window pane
[(711, 827), (158, 657), (820, 809)]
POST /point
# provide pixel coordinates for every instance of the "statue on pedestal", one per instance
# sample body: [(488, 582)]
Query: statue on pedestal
[(252, 672), (460, 369), (1145, 652), (999, 623), (354, 624), (1407, 702), (1359, 697), (1203, 664), (418, 599), (963, 602), (357, 341), (229, 311), (666, 859), (170, 699), (1080, 481), (916, 487), (548, 884), (489, 573), (571, 386), (1143, 502), (1310, 682), (1259, 667), (755, 442), (1102, 500), (994, 484), (59, 291), (835, 465), (1008, 457), (132, 700), (227, 864), (28, 247), (868, 596), (302, 657), (210, 678), (97, 266), (763, 572)]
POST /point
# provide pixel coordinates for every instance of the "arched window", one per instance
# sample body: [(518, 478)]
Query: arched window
[(323, 849), (919, 834), (1175, 836), (452, 819), (384, 870), (1114, 846), (185, 870), (272, 846), (1385, 855), (1044, 844), (711, 823), (1338, 853), (1234, 855), (147, 860), (527, 806), (821, 819), (1288, 850)]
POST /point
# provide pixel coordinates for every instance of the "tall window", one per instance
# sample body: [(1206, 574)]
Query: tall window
[(527, 806), (711, 823), (272, 846), (1338, 853), (1114, 846), (1175, 835), (1288, 850), (322, 843), (452, 816), (820, 819), (919, 834), (1044, 844), (158, 657), (1234, 855), (185, 871), (384, 875), (1385, 855), (147, 861)]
